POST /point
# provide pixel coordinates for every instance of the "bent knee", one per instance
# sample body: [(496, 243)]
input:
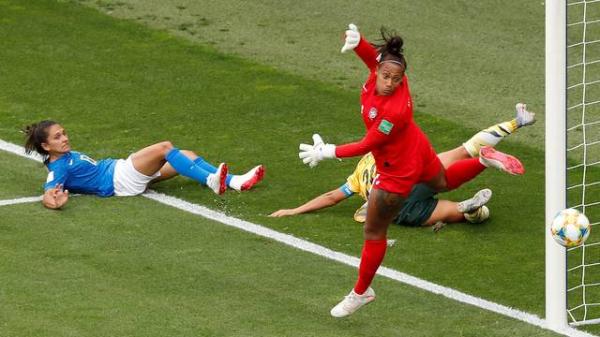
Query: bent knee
[(165, 146)]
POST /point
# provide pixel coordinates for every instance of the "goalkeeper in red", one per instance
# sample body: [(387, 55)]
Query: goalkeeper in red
[(422, 207), (403, 154)]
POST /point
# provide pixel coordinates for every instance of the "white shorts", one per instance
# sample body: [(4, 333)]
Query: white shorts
[(128, 181)]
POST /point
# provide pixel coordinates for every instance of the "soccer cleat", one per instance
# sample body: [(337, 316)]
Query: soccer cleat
[(524, 117), (257, 175), (248, 179), (490, 157), (479, 199), (353, 302), (479, 215), (361, 214), (217, 181)]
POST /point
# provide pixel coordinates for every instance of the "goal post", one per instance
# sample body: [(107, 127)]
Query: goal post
[(555, 159), (572, 143)]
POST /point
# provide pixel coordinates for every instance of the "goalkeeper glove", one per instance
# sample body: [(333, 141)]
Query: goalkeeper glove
[(352, 38), (313, 154)]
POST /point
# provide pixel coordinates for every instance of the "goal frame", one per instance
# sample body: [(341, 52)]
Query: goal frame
[(555, 159)]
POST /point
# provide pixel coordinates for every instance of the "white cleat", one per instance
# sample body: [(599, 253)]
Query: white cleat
[(490, 157), (479, 215), (248, 180), (361, 214), (217, 181), (353, 302), (253, 177), (479, 199), (523, 116)]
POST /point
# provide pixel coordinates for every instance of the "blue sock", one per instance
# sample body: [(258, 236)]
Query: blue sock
[(210, 168), (186, 167)]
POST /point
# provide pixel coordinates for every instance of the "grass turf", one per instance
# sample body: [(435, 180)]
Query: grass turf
[(117, 87), (468, 61)]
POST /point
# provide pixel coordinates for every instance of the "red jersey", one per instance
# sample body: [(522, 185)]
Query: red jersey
[(400, 148)]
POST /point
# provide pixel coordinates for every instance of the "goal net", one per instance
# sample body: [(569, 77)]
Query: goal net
[(583, 155)]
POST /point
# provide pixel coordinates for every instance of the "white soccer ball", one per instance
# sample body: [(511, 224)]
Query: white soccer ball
[(570, 228)]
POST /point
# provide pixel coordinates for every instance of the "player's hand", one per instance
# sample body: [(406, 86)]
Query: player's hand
[(313, 154), (352, 38), (60, 195), (282, 212)]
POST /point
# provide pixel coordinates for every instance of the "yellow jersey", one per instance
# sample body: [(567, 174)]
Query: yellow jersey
[(361, 180)]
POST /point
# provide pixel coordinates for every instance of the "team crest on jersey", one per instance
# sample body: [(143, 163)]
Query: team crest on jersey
[(372, 113)]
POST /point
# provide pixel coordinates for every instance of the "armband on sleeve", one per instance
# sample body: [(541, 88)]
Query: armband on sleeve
[(346, 190)]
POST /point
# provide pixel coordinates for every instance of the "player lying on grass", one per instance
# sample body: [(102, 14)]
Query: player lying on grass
[(76, 172), (422, 208)]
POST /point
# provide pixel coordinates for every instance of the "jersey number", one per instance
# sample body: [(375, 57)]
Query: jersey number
[(88, 159)]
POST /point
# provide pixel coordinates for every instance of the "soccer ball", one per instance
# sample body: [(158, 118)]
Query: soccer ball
[(570, 228)]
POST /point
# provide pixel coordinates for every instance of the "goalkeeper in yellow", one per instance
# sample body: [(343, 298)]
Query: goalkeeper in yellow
[(422, 208)]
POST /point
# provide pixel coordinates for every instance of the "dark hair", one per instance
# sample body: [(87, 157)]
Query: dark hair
[(391, 47), (35, 135)]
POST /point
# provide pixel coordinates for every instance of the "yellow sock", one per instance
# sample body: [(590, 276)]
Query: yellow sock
[(490, 136)]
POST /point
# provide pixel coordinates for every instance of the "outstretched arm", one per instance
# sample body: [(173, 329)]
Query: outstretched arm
[(324, 200), (361, 46), (377, 135), (55, 198), (367, 53)]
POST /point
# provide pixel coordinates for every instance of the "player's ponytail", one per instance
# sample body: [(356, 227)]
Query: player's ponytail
[(35, 135), (391, 48)]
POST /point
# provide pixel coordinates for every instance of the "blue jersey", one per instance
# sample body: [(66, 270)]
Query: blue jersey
[(79, 173)]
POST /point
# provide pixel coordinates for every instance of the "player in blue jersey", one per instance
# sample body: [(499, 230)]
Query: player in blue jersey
[(76, 172)]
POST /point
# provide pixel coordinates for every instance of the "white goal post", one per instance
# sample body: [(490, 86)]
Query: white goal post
[(573, 157), (555, 143)]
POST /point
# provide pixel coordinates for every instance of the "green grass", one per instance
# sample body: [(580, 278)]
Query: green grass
[(118, 86), (13, 177), (468, 61), (130, 267)]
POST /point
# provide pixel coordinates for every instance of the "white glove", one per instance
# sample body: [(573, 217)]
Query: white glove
[(313, 154), (352, 38)]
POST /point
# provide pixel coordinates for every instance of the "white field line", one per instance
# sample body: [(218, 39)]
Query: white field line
[(19, 201), (333, 255)]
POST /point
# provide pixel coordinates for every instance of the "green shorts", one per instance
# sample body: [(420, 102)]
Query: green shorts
[(418, 207)]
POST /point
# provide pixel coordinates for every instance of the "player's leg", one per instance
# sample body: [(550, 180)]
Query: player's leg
[(495, 133), (490, 136), (167, 171), (439, 178), (446, 211), (382, 208), (237, 182), (449, 157), (450, 212), (478, 215), (151, 159), (465, 170)]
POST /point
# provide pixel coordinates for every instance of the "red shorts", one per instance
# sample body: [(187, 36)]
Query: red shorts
[(426, 170)]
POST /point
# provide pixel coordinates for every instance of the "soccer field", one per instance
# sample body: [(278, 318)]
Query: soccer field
[(132, 266)]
